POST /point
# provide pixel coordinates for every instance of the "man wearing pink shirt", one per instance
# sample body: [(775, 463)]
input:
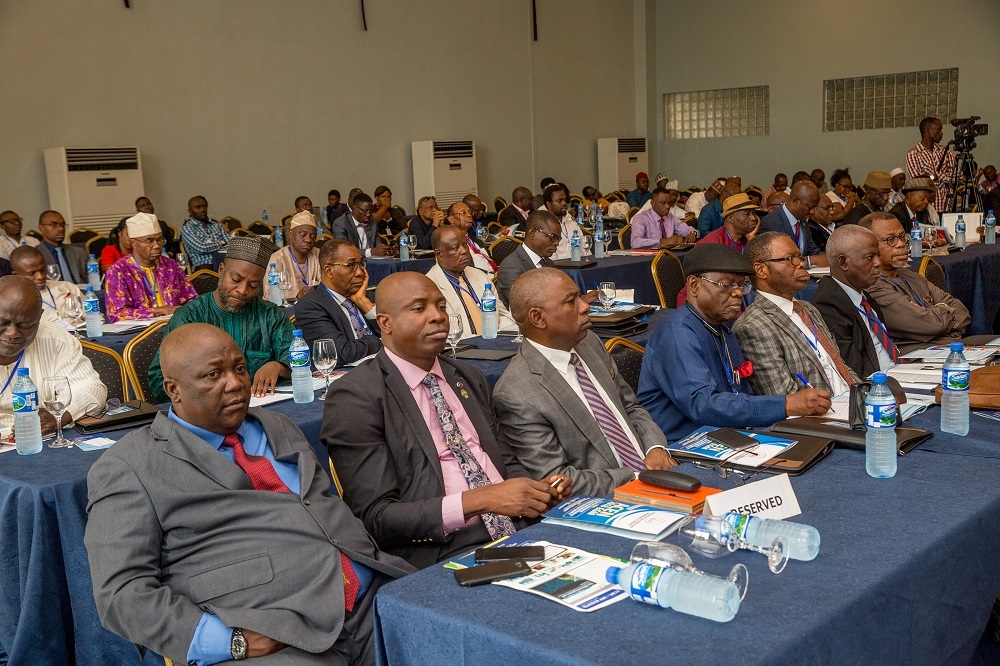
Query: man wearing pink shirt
[(412, 436), (657, 227)]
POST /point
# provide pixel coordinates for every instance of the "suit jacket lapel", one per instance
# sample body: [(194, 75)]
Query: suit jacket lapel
[(414, 419), (799, 339), (181, 443)]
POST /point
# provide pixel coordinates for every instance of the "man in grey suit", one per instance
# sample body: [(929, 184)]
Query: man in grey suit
[(540, 242), (784, 337), (71, 260), (563, 406), (213, 534), (413, 438), (357, 226), (790, 219)]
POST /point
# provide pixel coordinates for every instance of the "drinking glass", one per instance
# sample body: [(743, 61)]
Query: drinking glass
[(73, 310), (285, 282), (606, 293), (413, 244), (325, 358), (455, 332), (52, 272), (182, 261), (56, 396)]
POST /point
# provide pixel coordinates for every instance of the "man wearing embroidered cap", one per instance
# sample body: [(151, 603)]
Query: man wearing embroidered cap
[(260, 328), (877, 187), (640, 194), (897, 178), (145, 283), (300, 258)]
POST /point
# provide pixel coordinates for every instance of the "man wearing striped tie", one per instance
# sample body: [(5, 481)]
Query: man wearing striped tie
[(562, 404)]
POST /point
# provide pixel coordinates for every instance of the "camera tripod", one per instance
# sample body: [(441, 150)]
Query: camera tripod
[(964, 193)]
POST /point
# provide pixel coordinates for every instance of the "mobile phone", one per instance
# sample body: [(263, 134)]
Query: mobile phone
[(487, 573), (734, 439), (527, 553)]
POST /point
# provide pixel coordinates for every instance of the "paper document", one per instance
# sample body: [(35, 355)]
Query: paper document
[(270, 399), (941, 352), (624, 519), (131, 325), (698, 443), (818, 271), (916, 375)]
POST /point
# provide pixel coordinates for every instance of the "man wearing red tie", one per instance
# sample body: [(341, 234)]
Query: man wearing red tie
[(790, 219), (460, 215)]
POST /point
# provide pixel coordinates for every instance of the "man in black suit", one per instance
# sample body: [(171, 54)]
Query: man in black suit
[(360, 229), (338, 307), (514, 216), (413, 437), (917, 196), (335, 207), (790, 219), (540, 243), (820, 223), (852, 315), (71, 260), (429, 217)]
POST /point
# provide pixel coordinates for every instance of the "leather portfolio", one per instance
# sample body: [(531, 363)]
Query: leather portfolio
[(841, 432)]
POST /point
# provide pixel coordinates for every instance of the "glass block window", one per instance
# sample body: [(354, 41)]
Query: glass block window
[(711, 114), (889, 100)]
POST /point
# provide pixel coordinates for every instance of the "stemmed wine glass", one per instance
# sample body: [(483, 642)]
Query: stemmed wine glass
[(675, 557), (519, 338), (455, 332), (56, 396), (52, 272), (73, 309), (285, 282), (413, 244), (606, 292), (182, 261), (325, 358)]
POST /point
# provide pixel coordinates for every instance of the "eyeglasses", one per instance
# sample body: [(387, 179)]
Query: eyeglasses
[(555, 238), (792, 259), (352, 266), (150, 242), (13, 219), (53, 224), (892, 241), (745, 287)]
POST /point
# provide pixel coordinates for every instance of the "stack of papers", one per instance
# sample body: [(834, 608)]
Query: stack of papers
[(920, 376), (939, 353), (698, 444), (624, 519), (131, 325)]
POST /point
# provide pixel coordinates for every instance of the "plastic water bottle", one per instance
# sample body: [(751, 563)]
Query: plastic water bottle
[(263, 216), (298, 360), (916, 241), (274, 285), (703, 596), (491, 319), (880, 440), (579, 214), (991, 228), (599, 236), (279, 237), (803, 540), (326, 221), (27, 427), (592, 213), (574, 246), (480, 230), (960, 233), (955, 392), (598, 220), (93, 273), (92, 313), (404, 248)]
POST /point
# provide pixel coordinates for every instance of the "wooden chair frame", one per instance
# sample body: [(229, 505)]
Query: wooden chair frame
[(115, 356), (661, 256), (133, 376)]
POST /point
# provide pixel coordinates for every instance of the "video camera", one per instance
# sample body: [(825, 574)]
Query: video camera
[(966, 131)]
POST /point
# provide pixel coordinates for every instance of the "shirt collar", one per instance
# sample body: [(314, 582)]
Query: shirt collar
[(780, 301), (413, 375), (909, 212), (531, 255), (852, 293), (214, 439), (557, 357), (788, 214)]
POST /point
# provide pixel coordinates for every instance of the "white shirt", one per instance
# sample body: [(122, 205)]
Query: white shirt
[(569, 225), (695, 203), (837, 383), (560, 361), (370, 315), (535, 259), (54, 297), (8, 244), (884, 362)]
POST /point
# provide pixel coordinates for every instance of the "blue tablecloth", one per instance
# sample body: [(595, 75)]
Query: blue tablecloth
[(627, 272), (974, 278), (380, 268)]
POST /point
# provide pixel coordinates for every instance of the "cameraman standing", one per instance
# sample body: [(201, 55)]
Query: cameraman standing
[(924, 161)]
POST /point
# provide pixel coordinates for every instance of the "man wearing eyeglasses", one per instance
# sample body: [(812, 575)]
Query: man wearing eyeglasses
[(11, 223), (146, 283), (782, 336), (357, 226), (693, 371), (461, 216), (339, 308), (540, 242), (917, 313), (790, 219), (71, 260)]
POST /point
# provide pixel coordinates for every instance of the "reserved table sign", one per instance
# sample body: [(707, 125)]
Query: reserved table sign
[(772, 497)]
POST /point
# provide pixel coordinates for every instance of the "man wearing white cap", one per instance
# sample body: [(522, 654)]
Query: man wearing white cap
[(898, 178), (145, 283), (300, 258), (673, 196)]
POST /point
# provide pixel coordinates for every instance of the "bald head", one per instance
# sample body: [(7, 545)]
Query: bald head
[(548, 308), (775, 199), (804, 198), (28, 262), (844, 239), (393, 291), (529, 290), (25, 253), (413, 317), (521, 197)]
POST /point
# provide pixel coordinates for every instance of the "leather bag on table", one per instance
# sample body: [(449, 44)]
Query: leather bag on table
[(984, 388)]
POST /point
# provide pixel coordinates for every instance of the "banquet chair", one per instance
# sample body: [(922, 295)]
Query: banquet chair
[(932, 270), (668, 276), (627, 355), (612, 197), (240, 231), (495, 228), (110, 367), (96, 245), (631, 213), (503, 248), (204, 281), (260, 228), (139, 353), (285, 218), (625, 237), (231, 223), (82, 235), (499, 203), (322, 239), (336, 479)]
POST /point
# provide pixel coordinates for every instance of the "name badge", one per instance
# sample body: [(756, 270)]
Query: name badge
[(768, 498)]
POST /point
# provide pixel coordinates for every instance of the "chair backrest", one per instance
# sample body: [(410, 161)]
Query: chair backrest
[(110, 367), (625, 237), (139, 353), (932, 270), (33, 233), (322, 239), (612, 197), (204, 281), (82, 235), (668, 276), (499, 203), (240, 231), (575, 198), (495, 228), (96, 245), (231, 223), (628, 357), (286, 217), (631, 213), (260, 228), (503, 248)]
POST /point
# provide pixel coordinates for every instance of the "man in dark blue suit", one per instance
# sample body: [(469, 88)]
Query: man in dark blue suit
[(790, 220)]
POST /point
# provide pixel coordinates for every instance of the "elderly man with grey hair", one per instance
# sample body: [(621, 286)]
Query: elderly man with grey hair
[(854, 318)]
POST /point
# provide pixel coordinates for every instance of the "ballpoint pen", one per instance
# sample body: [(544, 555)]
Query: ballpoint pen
[(808, 385)]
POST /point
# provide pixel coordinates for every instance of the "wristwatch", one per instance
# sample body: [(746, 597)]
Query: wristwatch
[(238, 646)]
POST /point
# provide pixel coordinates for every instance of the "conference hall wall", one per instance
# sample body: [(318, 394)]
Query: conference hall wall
[(252, 102), (793, 47)]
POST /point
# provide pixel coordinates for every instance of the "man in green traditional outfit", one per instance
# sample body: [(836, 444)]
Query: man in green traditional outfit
[(260, 328)]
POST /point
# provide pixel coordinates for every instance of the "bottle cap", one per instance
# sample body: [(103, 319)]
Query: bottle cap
[(91, 256), (90, 288), (22, 372), (879, 378), (297, 333), (612, 574), (957, 347)]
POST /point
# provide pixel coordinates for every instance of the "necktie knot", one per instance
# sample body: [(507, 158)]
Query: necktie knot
[(231, 440)]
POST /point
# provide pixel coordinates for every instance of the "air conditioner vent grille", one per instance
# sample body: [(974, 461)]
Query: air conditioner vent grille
[(90, 159), (632, 145), (454, 149)]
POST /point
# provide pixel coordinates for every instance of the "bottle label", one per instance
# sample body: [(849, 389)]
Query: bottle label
[(738, 523), (25, 402), (955, 380), (272, 279), (92, 267), (489, 305), (880, 416), (916, 234), (575, 242), (960, 227), (91, 306), (299, 358), (642, 587)]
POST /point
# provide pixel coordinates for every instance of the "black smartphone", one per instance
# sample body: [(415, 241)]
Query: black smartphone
[(527, 553), (487, 573), (734, 439)]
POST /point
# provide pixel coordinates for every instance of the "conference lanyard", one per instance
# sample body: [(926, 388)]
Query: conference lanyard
[(726, 359), (151, 287), (458, 286), (354, 312), (736, 246), (13, 371), (913, 292), (870, 317), (305, 280), (53, 303), (814, 341)]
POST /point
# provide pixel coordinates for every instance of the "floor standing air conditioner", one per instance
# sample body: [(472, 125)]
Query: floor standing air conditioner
[(445, 170), (93, 187), (618, 160)]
